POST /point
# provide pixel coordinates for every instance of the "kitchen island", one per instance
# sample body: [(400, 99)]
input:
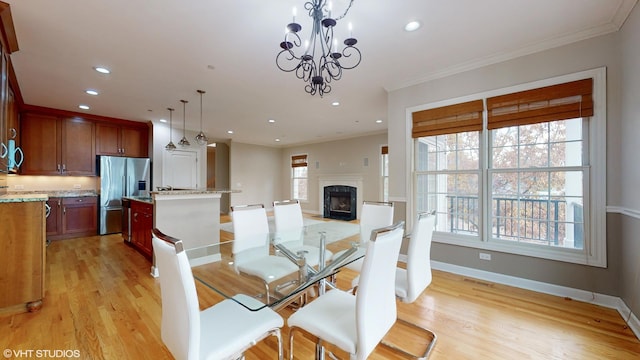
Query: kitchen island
[(192, 216)]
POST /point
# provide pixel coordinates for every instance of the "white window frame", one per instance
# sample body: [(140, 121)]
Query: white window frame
[(384, 176), (594, 182)]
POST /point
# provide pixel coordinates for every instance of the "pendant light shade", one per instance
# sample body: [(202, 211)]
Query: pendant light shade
[(170, 146), (201, 138), (184, 141)]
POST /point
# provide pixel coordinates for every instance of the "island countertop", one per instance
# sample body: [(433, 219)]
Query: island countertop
[(194, 192)]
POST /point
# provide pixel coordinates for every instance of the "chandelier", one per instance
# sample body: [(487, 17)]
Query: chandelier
[(319, 60)]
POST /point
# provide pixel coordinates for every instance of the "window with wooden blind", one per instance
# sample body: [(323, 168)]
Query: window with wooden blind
[(384, 169), (525, 176), (299, 177)]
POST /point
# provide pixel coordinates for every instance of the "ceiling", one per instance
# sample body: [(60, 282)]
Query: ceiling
[(161, 51)]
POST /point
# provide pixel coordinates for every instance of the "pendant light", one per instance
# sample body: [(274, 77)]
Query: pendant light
[(201, 138), (170, 146), (184, 141)]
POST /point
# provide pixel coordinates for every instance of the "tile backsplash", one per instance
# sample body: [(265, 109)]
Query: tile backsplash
[(49, 183)]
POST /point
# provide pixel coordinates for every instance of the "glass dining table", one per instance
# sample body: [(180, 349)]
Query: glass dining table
[(277, 268)]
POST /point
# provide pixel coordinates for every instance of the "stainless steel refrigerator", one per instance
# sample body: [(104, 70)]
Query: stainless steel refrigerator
[(120, 177)]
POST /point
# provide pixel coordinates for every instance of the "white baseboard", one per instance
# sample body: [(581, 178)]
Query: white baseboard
[(607, 301)]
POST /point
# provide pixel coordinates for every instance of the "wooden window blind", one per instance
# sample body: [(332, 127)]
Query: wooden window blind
[(448, 119), (384, 150), (557, 102), (298, 161)]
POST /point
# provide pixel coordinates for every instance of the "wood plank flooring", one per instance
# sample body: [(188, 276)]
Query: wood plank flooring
[(101, 301)]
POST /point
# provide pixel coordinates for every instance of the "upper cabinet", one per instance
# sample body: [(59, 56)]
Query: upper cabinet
[(122, 140), (57, 146)]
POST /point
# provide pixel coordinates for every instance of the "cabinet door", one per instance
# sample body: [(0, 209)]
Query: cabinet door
[(108, 140), (135, 142), (78, 147), (80, 215), (23, 255), (147, 226), (54, 220), (40, 136)]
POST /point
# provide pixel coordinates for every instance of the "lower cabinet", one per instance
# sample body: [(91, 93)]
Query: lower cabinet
[(23, 256), (71, 217), (141, 226)]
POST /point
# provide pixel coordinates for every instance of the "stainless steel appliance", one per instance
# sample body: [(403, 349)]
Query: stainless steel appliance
[(120, 177)]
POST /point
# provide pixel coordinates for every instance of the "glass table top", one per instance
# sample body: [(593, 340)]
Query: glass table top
[(276, 268)]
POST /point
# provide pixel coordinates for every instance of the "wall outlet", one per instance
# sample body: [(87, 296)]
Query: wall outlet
[(18, 187), (77, 186), (485, 256)]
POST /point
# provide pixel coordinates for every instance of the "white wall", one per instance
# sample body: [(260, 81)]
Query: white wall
[(256, 172)]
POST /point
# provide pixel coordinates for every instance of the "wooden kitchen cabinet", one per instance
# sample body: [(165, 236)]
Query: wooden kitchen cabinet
[(23, 256), (141, 226), (54, 220), (72, 217), (57, 146), (122, 140)]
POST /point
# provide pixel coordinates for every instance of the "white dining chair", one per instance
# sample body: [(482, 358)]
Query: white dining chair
[(374, 215), (251, 254), (222, 331), (412, 281), (289, 226), (356, 323)]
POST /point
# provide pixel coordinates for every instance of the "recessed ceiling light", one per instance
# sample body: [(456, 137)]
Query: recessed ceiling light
[(271, 121), (335, 103), (91, 92), (412, 26), (102, 70), (84, 107), (229, 131), (277, 140), (378, 121), (163, 120)]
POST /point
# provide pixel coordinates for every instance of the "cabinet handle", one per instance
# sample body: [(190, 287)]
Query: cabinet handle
[(58, 203), (58, 168), (64, 210), (13, 132), (64, 168)]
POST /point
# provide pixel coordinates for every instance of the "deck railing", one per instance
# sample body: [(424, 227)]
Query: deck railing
[(534, 220)]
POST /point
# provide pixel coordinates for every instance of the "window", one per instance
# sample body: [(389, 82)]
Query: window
[(299, 177), (384, 166), (525, 175)]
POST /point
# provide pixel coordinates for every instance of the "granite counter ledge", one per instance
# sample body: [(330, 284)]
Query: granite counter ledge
[(11, 198)]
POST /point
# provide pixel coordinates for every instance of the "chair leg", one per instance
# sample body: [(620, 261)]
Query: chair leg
[(291, 331), (426, 354), (278, 335)]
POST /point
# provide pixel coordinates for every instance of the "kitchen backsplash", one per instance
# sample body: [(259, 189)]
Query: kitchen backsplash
[(50, 183)]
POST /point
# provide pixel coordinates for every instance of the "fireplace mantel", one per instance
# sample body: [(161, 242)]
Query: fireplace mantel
[(341, 179)]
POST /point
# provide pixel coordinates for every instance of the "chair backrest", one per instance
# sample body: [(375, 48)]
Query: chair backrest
[(180, 327), (375, 299), (250, 227), (374, 215), (419, 256), (287, 215)]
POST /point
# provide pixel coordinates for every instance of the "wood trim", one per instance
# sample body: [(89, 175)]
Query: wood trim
[(9, 38), (449, 119), (384, 150)]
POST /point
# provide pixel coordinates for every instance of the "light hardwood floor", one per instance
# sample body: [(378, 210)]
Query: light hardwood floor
[(101, 301)]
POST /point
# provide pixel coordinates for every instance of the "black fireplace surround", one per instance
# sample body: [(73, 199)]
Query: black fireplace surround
[(340, 202)]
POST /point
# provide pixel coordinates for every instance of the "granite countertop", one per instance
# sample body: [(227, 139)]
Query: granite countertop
[(57, 193), (11, 198), (144, 199), (194, 192)]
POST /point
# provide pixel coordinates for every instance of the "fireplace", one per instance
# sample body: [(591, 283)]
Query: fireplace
[(340, 202)]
